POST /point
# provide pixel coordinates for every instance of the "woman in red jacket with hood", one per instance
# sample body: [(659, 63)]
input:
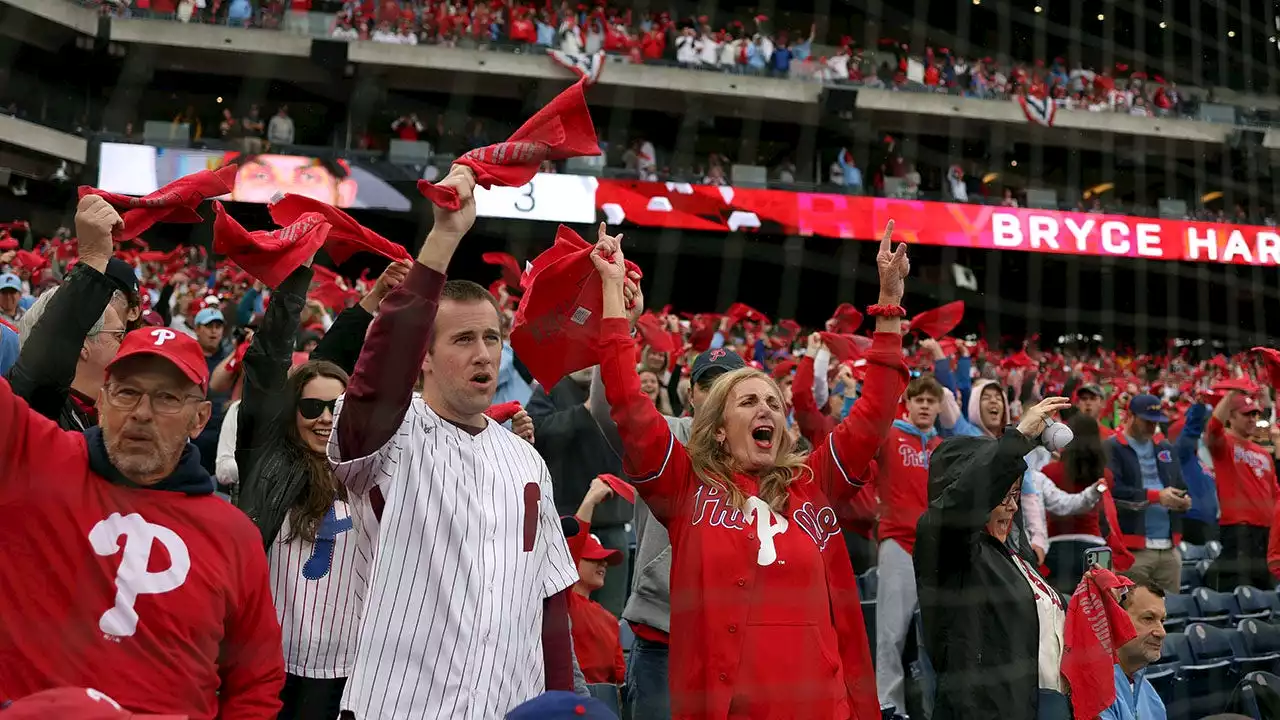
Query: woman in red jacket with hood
[(765, 617)]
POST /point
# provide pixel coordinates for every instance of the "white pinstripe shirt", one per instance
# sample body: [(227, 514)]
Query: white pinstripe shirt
[(453, 623), (319, 590)]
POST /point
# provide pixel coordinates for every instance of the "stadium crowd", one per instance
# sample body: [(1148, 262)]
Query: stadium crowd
[(414, 496)]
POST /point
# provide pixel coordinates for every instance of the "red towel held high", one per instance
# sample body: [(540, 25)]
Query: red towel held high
[(845, 348), (939, 321), (269, 256), (346, 237), (559, 131), (175, 202), (1096, 627)]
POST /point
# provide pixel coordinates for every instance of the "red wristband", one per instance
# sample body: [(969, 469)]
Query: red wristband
[(891, 311)]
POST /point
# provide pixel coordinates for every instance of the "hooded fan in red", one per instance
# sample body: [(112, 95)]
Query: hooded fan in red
[(175, 202), (559, 131)]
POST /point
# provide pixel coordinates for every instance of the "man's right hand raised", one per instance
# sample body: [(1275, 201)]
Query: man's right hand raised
[(95, 221), (450, 225)]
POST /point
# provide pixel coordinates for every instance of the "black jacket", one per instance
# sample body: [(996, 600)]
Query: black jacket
[(50, 352), (277, 472), (575, 451), (980, 624)]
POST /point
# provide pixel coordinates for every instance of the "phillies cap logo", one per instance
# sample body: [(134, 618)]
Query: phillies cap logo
[(1164, 456), (717, 354), (163, 335)]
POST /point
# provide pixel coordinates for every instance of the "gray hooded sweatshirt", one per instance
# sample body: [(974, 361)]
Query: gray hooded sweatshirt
[(650, 601)]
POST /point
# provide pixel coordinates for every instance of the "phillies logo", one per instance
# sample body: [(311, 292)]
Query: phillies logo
[(132, 578), (711, 507), (163, 335), (768, 523), (717, 354), (913, 458), (331, 526), (820, 524)]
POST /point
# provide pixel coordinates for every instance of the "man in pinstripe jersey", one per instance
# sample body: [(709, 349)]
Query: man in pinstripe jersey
[(466, 615)]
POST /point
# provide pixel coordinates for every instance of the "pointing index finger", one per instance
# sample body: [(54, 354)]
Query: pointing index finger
[(885, 245)]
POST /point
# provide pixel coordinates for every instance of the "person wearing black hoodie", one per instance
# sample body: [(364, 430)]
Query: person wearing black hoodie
[(992, 627)]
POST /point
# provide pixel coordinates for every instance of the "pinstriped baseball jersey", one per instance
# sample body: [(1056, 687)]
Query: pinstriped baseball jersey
[(469, 546), (319, 589)]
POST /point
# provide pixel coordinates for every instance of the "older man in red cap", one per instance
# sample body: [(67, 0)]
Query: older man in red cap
[(123, 571)]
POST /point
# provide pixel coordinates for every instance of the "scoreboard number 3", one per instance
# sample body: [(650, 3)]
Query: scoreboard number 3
[(526, 194)]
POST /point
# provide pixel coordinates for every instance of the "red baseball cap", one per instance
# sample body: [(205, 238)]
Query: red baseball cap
[(593, 550), (177, 347), (1244, 404), (73, 704)]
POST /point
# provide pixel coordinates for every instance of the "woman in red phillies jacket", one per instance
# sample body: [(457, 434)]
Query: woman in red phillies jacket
[(765, 618)]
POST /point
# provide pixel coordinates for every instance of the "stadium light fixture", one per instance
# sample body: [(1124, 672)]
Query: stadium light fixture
[(977, 2), (1039, 9), (1013, 163), (1163, 25), (1231, 33), (1101, 17)]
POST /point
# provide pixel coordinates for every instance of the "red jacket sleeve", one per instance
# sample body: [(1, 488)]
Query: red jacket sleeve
[(658, 464), (251, 664), (840, 462), (814, 424), (27, 438), (1273, 544), (381, 387)]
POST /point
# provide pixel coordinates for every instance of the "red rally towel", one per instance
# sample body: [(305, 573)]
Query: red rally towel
[(559, 131), (846, 319), (1271, 358), (653, 334), (939, 321), (269, 256), (346, 237), (511, 272), (557, 324), (624, 489), (175, 202), (1096, 627), (503, 412), (845, 347)]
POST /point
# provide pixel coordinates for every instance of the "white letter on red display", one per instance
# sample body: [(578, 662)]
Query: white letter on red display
[(1149, 240), (1080, 233), (1109, 244), (1044, 230), (1268, 248), (1236, 246), (1006, 231), (1195, 244)]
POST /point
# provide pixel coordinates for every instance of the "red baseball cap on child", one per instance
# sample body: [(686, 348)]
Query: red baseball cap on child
[(177, 347), (73, 704), (593, 550)]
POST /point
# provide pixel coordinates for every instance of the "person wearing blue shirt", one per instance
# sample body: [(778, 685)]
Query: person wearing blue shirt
[(1136, 699), (1200, 524), (511, 385), (239, 13)]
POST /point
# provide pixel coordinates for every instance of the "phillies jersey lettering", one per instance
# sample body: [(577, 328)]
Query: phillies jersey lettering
[(331, 526), (132, 577), (1256, 461), (912, 457), (819, 523)]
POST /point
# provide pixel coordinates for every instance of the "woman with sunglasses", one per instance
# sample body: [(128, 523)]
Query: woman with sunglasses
[(318, 540), (993, 627)]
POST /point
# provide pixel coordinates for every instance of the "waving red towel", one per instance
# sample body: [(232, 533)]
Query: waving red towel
[(269, 255), (7, 244), (740, 312), (559, 131), (845, 347), (1271, 358), (846, 319), (1096, 627), (346, 236), (511, 272), (504, 411), (557, 324), (175, 202), (31, 261), (939, 321), (653, 334)]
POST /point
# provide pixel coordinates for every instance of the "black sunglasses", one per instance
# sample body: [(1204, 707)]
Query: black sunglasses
[(312, 408)]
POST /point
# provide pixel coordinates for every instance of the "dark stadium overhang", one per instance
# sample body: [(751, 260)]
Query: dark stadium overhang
[(39, 141), (45, 24)]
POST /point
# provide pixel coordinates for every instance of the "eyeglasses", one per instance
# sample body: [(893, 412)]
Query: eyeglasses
[(312, 408), (125, 397), (117, 334)]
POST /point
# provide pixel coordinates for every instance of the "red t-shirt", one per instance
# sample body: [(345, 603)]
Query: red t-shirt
[(1245, 476), (596, 640)]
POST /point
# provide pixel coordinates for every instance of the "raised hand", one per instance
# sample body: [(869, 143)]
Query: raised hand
[(894, 267), (1033, 419), (457, 223), (522, 425), (391, 276), (95, 221), (608, 259)]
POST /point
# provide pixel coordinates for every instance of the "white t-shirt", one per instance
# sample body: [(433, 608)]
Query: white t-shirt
[(685, 51), (319, 589), (469, 546), (1053, 623), (708, 50)]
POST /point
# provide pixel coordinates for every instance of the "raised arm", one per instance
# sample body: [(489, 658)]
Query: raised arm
[(813, 423), (47, 365), (266, 362), (840, 462), (344, 339), (381, 387), (656, 462)]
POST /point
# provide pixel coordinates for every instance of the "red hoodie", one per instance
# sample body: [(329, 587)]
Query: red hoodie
[(158, 598), (903, 483)]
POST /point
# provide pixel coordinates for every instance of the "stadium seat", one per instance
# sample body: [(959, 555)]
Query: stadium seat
[(1174, 653), (1190, 578), (1254, 603), (1167, 686), (609, 694), (1191, 554), (1210, 680), (1260, 695), (1214, 608), (1214, 548), (1260, 650), (1179, 609), (625, 636), (869, 584)]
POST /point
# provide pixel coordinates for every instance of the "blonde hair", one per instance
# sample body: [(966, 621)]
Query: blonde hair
[(716, 467)]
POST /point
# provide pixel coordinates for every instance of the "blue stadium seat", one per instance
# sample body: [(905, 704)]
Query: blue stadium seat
[(625, 636), (1260, 647), (1179, 609), (1191, 554), (1190, 579), (1215, 608), (1210, 680), (609, 694), (1168, 686), (869, 584), (1174, 653), (1214, 548), (1255, 603)]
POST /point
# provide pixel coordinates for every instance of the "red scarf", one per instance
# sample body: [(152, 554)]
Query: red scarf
[(1096, 627), (269, 256), (175, 202), (559, 131), (346, 236)]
